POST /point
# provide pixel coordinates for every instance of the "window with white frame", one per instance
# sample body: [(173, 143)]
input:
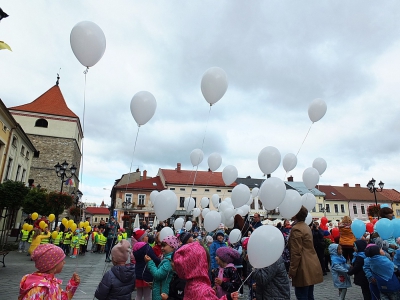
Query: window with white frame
[(95, 219), (27, 155), (8, 170), (14, 141), (18, 171), (23, 175), (336, 208), (398, 212), (327, 208), (363, 209), (320, 207), (128, 198), (22, 150), (355, 209), (141, 198), (342, 208), (181, 201)]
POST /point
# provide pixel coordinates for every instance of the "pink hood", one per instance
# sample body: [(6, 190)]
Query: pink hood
[(191, 264)]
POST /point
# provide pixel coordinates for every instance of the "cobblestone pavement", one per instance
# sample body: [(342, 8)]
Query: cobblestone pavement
[(91, 267)]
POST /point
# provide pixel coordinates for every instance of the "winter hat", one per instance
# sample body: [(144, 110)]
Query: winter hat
[(227, 254), (139, 235), (120, 252), (172, 241), (372, 251), (209, 239), (219, 232), (184, 237), (360, 245), (47, 256)]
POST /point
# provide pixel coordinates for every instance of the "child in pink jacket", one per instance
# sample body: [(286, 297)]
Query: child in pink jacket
[(191, 264), (49, 260)]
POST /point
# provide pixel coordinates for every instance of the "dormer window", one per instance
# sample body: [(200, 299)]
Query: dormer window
[(41, 123)]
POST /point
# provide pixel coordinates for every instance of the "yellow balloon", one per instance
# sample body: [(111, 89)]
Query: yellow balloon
[(25, 226), (73, 227), (51, 217), (35, 216), (81, 224), (70, 222), (54, 235), (64, 221), (88, 229), (86, 223), (42, 224), (30, 227)]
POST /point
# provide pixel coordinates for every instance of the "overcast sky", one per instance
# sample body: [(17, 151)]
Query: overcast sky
[(278, 55)]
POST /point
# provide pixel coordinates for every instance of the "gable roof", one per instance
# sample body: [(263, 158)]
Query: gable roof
[(205, 178), (302, 189), (331, 193), (147, 184), (250, 182), (97, 210), (391, 194), (51, 102), (360, 194)]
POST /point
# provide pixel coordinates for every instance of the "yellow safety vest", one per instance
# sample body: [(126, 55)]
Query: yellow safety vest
[(45, 240), (124, 235), (83, 239), (25, 234), (57, 240), (67, 239), (102, 240)]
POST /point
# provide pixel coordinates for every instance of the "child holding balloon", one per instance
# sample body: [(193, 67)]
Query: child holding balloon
[(37, 238)]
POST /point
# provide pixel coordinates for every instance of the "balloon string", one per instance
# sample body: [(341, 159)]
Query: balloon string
[(245, 280), (133, 154), (83, 124), (304, 139)]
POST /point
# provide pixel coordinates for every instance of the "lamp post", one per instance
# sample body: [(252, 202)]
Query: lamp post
[(77, 200), (61, 171), (373, 189)]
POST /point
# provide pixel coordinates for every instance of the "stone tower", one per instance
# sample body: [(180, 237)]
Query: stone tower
[(56, 133)]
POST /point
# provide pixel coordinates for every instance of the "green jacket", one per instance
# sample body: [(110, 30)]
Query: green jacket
[(161, 276)]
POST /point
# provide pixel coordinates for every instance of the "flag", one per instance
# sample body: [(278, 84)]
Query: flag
[(70, 182)]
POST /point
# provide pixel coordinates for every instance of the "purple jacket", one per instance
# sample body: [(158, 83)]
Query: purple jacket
[(140, 249), (117, 284)]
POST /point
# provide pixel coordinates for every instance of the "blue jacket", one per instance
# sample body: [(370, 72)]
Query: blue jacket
[(213, 252), (161, 276), (141, 249), (339, 269), (117, 283)]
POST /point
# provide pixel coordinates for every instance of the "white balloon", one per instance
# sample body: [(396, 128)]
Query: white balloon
[(254, 192), (212, 220), (204, 202), (308, 219), (308, 200), (153, 196), (229, 201), (230, 223), (205, 212), (317, 110), (319, 164), (310, 177), (165, 205), (245, 208), (215, 200), (178, 224), (234, 236), (289, 162), (166, 231), (228, 213), (189, 204), (143, 107), (223, 220), (188, 225), (196, 212), (291, 205), (196, 157), (265, 237), (214, 161), (214, 84), (240, 212), (269, 159), (88, 43), (240, 195), (229, 174), (272, 193), (224, 206)]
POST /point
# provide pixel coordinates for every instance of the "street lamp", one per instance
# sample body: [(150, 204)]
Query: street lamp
[(373, 189), (77, 197), (61, 171)]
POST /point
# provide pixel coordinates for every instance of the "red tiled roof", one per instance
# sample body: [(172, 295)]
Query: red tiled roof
[(392, 194), (147, 184), (206, 178), (51, 102), (360, 193), (98, 210), (331, 193)]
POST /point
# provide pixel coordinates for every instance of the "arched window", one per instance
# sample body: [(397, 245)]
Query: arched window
[(41, 123)]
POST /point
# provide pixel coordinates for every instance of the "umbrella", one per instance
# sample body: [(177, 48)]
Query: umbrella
[(136, 223)]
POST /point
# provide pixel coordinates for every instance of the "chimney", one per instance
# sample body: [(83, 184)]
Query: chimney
[(144, 175), (290, 178), (178, 167), (345, 184), (358, 185)]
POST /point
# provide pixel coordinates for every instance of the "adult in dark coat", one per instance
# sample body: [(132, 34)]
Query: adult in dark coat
[(357, 269), (305, 269), (319, 244), (272, 282)]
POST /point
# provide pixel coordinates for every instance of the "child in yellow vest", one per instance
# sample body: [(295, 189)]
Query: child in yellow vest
[(24, 240), (45, 240), (67, 241), (83, 240), (75, 243), (37, 238), (101, 240)]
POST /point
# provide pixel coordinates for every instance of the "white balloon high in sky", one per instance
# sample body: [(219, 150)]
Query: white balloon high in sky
[(214, 84), (269, 159), (143, 107), (317, 110), (214, 161), (196, 157), (319, 164), (229, 174)]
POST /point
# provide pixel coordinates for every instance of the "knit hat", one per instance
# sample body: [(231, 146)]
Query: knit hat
[(372, 251), (120, 252), (172, 241), (227, 254), (219, 232), (184, 237), (209, 239), (139, 235), (47, 256), (360, 245)]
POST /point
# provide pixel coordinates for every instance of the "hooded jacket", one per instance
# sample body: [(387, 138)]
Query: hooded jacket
[(191, 264), (213, 250), (140, 249), (162, 276), (339, 269), (358, 264), (117, 283)]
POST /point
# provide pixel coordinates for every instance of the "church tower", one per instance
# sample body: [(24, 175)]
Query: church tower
[(56, 133)]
